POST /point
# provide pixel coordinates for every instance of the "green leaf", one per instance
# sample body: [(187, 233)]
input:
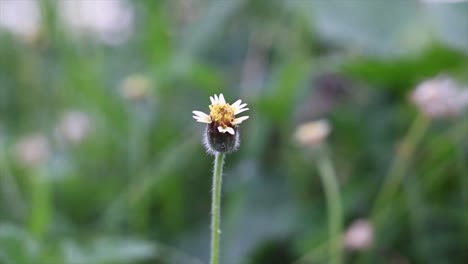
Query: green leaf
[(17, 246)]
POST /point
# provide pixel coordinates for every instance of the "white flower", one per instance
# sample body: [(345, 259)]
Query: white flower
[(74, 126), (222, 114), (109, 21), (135, 87), (22, 18), (312, 133), (440, 97)]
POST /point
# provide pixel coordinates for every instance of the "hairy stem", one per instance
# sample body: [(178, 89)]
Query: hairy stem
[(216, 207)]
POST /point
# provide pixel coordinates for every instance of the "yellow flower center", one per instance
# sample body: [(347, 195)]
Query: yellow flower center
[(222, 114)]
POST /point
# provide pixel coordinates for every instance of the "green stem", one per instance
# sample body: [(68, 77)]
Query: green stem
[(40, 203), (10, 190), (399, 166), (395, 174), (335, 215), (463, 172), (416, 208), (216, 207)]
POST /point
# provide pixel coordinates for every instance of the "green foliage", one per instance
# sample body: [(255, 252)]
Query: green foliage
[(136, 187)]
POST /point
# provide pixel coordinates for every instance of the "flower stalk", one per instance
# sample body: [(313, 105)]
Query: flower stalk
[(33, 153), (334, 208), (40, 203), (399, 166), (221, 137), (216, 207)]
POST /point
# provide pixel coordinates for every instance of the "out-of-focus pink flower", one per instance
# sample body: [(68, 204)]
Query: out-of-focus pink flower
[(74, 126), (440, 98), (109, 21), (22, 18), (359, 235), (32, 150)]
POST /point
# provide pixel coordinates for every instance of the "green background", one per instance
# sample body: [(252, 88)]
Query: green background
[(137, 188)]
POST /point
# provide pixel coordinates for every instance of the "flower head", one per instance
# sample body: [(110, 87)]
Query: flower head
[(312, 133), (359, 235), (74, 126), (109, 22), (222, 114), (440, 97), (222, 123), (22, 18), (136, 87)]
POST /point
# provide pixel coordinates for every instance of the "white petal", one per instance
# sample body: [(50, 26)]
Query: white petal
[(240, 111), (216, 99), (242, 106), (212, 100), (236, 104), (230, 130), (221, 99), (200, 119), (199, 113), (240, 120)]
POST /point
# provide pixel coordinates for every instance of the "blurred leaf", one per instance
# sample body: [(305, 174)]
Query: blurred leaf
[(199, 33), (403, 74), (115, 250), (289, 78), (379, 28), (451, 23), (16, 246), (245, 230), (10, 191), (108, 250)]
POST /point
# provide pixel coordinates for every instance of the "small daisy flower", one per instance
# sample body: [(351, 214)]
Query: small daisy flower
[(221, 132)]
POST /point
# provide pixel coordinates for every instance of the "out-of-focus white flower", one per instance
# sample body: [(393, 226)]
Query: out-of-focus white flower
[(20, 17), (109, 21), (33, 150), (312, 133), (359, 235), (443, 1), (74, 126), (440, 98), (135, 87)]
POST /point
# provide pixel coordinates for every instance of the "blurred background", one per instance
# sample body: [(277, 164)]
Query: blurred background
[(101, 161)]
